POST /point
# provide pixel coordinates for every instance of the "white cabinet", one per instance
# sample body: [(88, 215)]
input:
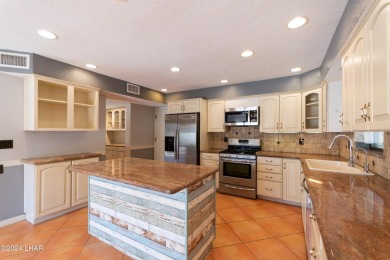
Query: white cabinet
[(291, 180), (290, 113), (54, 105), (378, 26), (269, 114), (347, 90), (115, 152), (51, 190), (332, 106), (80, 183), (211, 160), (216, 116), (47, 189), (116, 119), (280, 113), (269, 177), (185, 106), (366, 66), (312, 110)]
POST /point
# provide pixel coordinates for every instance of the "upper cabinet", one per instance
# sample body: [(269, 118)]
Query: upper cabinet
[(332, 106), (378, 107), (185, 106), (116, 119), (216, 116), (312, 110), (54, 105), (280, 113), (366, 74)]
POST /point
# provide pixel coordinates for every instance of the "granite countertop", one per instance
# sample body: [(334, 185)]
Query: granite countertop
[(159, 176), (60, 158), (353, 212), (213, 150)]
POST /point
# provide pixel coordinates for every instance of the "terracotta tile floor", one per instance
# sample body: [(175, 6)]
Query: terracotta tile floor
[(246, 229)]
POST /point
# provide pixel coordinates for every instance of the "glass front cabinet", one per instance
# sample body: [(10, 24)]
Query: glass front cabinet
[(312, 111)]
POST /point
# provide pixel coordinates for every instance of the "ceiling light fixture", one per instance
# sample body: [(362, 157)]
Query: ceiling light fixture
[(296, 69), (46, 34), (164, 90), (297, 22), (224, 81), (91, 66), (247, 53), (175, 69)]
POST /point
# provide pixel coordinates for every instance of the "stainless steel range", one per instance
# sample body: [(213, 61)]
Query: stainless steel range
[(237, 175)]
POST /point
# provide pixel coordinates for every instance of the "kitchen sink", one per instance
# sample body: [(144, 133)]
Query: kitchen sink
[(335, 166)]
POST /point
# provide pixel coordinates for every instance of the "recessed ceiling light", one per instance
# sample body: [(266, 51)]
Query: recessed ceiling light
[(175, 69), (46, 34), (247, 53), (164, 90), (224, 81), (91, 66), (296, 69), (297, 22)]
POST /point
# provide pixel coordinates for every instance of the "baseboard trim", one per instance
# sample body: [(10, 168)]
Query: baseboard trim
[(13, 220)]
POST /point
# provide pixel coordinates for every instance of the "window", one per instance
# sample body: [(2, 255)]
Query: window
[(369, 140)]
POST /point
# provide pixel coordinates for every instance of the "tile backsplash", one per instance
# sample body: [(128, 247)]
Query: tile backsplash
[(316, 143)]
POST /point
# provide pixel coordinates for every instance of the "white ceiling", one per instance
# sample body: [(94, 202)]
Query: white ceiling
[(139, 41)]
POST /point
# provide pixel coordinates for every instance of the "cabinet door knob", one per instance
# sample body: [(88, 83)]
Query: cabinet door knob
[(303, 125), (313, 216)]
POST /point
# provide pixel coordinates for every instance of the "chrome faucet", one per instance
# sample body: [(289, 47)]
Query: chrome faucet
[(366, 164), (351, 162)]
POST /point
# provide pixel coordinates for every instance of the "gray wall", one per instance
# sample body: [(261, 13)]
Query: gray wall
[(351, 15), (29, 144), (143, 153), (59, 70), (141, 130), (310, 79), (142, 125), (11, 192)]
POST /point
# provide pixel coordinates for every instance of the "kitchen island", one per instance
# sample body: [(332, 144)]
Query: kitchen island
[(152, 210)]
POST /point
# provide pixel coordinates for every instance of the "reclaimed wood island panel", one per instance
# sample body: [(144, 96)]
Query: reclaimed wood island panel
[(152, 210)]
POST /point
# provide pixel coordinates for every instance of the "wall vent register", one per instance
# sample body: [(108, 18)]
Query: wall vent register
[(14, 60), (133, 89)]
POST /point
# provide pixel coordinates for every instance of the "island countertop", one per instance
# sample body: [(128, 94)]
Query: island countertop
[(154, 175)]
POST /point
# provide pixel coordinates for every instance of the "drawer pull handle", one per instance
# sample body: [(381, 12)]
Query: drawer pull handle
[(268, 189), (268, 161), (268, 177)]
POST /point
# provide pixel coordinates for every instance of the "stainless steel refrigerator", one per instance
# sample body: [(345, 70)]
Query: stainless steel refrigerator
[(182, 138)]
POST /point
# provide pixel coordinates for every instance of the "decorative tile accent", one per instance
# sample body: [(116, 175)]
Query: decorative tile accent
[(313, 144)]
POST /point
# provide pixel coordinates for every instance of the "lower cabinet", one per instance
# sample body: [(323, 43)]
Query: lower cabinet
[(269, 177), (279, 178), (292, 180), (211, 160), (80, 183), (115, 152), (51, 188)]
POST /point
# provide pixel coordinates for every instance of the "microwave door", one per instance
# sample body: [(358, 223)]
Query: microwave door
[(236, 118)]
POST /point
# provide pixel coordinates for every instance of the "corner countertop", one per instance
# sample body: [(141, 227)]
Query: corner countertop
[(164, 177), (353, 212), (60, 158)]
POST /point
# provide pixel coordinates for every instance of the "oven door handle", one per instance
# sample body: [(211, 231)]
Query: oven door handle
[(238, 161), (235, 187)]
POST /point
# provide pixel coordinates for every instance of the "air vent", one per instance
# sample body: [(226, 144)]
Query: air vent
[(133, 89), (14, 60)]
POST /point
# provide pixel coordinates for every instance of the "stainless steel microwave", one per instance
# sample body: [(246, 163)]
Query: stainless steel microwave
[(242, 116)]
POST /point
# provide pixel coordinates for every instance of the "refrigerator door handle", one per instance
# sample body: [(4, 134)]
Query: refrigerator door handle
[(174, 145), (177, 143)]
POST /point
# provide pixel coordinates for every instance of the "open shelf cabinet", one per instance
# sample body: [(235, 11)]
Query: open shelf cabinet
[(54, 105)]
